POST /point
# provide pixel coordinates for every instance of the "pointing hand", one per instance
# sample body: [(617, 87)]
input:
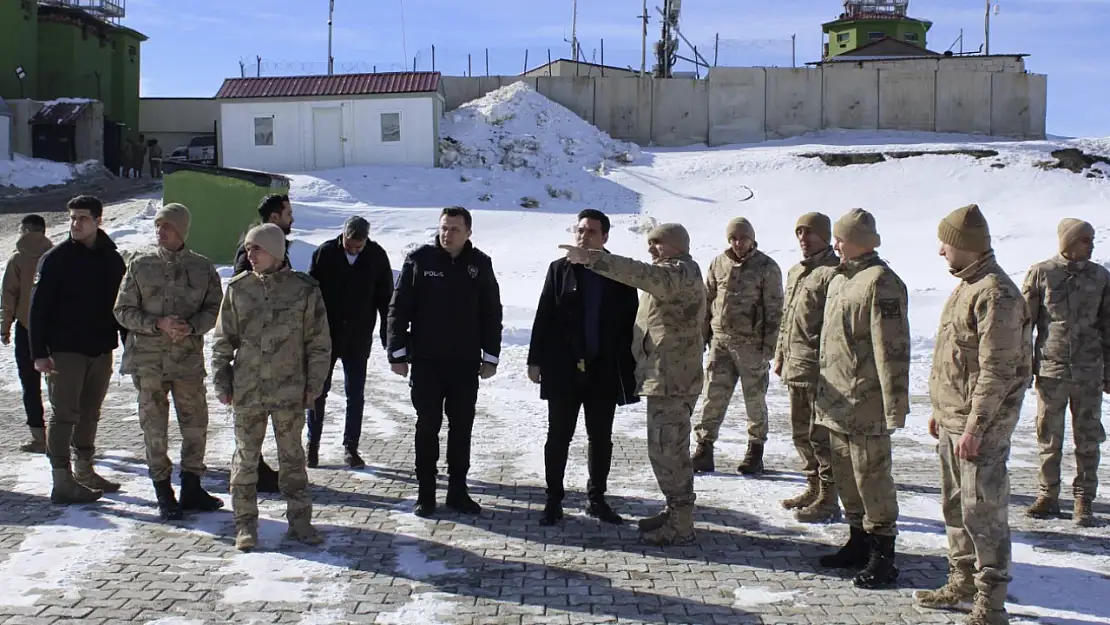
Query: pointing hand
[(575, 254)]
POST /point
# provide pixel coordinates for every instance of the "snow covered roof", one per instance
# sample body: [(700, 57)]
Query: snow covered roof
[(60, 112), (338, 84)]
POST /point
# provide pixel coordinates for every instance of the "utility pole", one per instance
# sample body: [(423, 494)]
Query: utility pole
[(987, 29), (574, 31), (643, 42), (331, 59), (794, 50)]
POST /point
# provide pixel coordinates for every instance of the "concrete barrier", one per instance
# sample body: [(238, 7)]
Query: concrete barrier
[(737, 105), (793, 102), (574, 92), (680, 111), (1012, 105), (850, 98), (623, 108), (907, 100)]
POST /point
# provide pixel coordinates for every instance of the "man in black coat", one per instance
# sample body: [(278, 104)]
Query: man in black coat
[(73, 334), (581, 356), (357, 284), (445, 320)]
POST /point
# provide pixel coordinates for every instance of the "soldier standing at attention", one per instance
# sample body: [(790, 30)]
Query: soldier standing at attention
[(744, 310), (668, 343), (863, 395), (1069, 301), (982, 366), (270, 360), (796, 364), (73, 335), (19, 279), (169, 300)]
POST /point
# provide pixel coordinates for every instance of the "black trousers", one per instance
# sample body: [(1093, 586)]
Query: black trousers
[(438, 388), (562, 419), (29, 379)]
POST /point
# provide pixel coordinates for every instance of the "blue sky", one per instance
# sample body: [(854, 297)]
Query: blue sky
[(196, 44)]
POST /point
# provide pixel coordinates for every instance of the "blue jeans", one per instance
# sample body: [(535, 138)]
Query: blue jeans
[(354, 385)]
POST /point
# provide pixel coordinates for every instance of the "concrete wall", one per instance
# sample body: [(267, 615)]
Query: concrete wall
[(5, 137), (993, 63), (176, 121)]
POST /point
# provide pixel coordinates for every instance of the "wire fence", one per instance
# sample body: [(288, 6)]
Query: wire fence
[(511, 61)]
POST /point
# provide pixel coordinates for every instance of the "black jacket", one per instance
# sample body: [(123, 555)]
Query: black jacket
[(75, 292), (445, 308), (354, 294), (558, 337), (242, 263)]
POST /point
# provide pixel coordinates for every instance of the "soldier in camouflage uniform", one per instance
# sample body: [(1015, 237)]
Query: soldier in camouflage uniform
[(668, 343), (743, 311), (982, 365), (270, 359), (796, 364), (863, 395), (168, 301), (1069, 301)]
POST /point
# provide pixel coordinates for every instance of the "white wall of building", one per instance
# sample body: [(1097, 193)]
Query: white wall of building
[(5, 138), (357, 124)]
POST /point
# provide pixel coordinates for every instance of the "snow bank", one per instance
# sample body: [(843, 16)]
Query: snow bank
[(29, 173), (515, 127)]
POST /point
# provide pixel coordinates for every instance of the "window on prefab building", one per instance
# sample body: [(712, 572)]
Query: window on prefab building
[(391, 127), (263, 131), (911, 36), (875, 35), (842, 37)]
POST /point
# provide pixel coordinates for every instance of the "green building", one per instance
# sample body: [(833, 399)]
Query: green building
[(865, 22), (53, 49)]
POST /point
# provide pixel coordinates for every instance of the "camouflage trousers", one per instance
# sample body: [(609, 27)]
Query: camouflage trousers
[(727, 366), (975, 499), (250, 430), (191, 406), (668, 430), (862, 468), (810, 439), (1085, 399)]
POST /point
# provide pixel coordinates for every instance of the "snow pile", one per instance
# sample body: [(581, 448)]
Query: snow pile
[(515, 127), (29, 173)]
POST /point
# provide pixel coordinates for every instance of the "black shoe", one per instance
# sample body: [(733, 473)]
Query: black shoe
[(168, 508), (753, 460), (351, 457), (880, 570), (552, 514), (267, 478), (424, 509), (854, 554), (194, 497), (601, 511), (313, 454), (426, 499), (458, 499)]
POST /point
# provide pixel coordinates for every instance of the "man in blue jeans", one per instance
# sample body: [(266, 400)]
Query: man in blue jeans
[(356, 281)]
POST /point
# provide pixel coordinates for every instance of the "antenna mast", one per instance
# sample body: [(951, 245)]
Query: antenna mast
[(331, 59), (574, 31)]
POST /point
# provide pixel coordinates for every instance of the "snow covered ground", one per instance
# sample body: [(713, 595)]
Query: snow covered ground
[(1060, 573), (29, 173)]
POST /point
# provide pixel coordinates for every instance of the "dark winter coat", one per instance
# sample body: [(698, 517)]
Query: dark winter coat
[(445, 308), (73, 299), (354, 294), (558, 342)]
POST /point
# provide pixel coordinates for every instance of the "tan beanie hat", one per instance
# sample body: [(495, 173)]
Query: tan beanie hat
[(270, 238), (966, 229), (1071, 230), (819, 223), (671, 234), (740, 226), (177, 215), (858, 228)]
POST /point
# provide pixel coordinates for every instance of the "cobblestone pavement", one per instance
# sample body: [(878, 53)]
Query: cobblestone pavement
[(114, 562)]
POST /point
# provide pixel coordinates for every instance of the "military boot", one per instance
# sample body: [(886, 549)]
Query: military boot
[(880, 570), (37, 443), (752, 464), (168, 507), (854, 554), (825, 509), (85, 475), (1044, 507), (194, 497), (303, 532), (807, 496), (984, 611), (267, 478), (703, 458), (246, 536), (313, 453), (677, 530), (652, 523), (956, 593), (1082, 515), (68, 490)]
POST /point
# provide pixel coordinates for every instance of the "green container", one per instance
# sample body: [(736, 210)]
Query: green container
[(223, 202)]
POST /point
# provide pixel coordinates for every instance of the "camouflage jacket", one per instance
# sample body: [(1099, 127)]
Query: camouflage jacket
[(19, 279), (272, 342), (807, 285), (744, 301), (163, 283), (1069, 305), (982, 362), (864, 382), (667, 340)]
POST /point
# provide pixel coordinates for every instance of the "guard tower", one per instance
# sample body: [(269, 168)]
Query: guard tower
[(864, 22), (111, 11)]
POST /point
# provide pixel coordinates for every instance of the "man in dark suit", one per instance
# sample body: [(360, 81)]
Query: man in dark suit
[(581, 356)]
